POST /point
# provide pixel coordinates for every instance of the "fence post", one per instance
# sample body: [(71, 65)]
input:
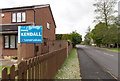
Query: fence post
[(12, 73), (39, 61), (36, 68), (33, 68), (20, 70), (29, 69), (19, 52), (25, 70), (5, 74)]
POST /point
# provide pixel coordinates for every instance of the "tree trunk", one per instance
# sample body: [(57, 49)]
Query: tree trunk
[(105, 14), (117, 45), (108, 45)]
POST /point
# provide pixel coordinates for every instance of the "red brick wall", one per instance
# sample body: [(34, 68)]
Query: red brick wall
[(57, 44), (7, 52), (7, 18), (27, 50), (70, 48), (0, 19), (1, 44), (43, 15), (29, 16)]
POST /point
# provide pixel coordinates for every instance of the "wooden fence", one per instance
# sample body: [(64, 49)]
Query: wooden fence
[(40, 67)]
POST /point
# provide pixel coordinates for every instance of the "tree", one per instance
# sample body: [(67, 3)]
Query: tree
[(76, 38), (87, 39), (98, 33), (87, 36), (113, 32), (117, 21), (58, 36), (67, 37), (105, 11), (88, 30), (102, 36)]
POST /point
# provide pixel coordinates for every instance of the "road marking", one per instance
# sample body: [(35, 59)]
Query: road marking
[(105, 53), (108, 54)]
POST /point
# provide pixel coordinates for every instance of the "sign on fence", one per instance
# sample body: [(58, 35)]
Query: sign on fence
[(30, 34)]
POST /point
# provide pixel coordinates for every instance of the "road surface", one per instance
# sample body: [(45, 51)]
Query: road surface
[(97, 63)]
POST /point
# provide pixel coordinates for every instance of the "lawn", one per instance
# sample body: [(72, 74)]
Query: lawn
[(112, 49), (70, 69)]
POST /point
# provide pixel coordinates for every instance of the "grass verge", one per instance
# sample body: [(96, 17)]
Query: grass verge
[(112, 49), (70, 69)]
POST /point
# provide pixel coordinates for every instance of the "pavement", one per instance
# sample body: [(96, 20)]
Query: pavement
[(97, 63)]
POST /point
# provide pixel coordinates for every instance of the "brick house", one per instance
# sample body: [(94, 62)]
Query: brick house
[(11, 18)]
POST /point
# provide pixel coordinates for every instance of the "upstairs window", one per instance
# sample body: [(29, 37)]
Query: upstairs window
[(14, 17), (19, 17), (23, 17)]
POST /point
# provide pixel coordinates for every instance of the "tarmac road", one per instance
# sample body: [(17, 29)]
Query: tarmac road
[(97, 63)]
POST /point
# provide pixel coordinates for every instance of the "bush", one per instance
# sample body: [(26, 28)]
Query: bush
[(58, 36), (15, 58), (69, 42), (76, 38)]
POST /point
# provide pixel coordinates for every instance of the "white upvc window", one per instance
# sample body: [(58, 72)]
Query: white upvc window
[(16, 41), (6, 41), (12, 41), (13, 17), (23, 16), (48, 25), (19, 17)]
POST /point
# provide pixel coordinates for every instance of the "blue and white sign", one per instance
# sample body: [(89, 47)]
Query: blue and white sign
[(30, 34)]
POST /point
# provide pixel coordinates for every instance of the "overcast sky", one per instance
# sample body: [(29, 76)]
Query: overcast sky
[(69, 15)]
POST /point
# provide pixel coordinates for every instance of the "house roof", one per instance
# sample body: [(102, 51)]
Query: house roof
[(23, 8)]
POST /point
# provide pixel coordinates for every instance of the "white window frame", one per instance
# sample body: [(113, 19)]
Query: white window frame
[(23, 16), (14, 17), (6, 45), (19, 17), (12, 41), (48, 25), (9, 42)]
